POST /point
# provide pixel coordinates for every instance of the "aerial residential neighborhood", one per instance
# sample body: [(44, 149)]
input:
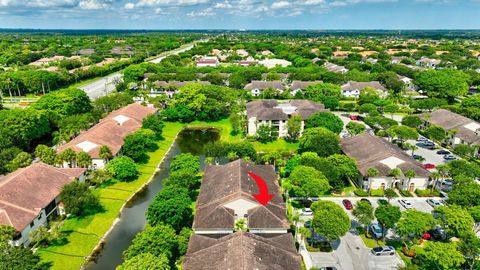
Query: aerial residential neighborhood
[(239, 135)]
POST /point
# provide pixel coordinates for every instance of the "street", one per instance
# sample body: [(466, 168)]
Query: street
[(105, 85)]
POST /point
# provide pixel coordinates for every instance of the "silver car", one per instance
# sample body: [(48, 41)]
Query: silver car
[(383, 250)]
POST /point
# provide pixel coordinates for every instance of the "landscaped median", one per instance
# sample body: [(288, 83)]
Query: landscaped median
[(81, 235)]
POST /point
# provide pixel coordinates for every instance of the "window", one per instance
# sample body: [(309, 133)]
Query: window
[(32, 224), (40, 216)]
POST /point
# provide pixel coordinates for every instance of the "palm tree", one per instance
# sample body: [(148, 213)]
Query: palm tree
[(435, 176), (395, 173), (84, 160), (413, 148), (295, 220), (105, 153), (305, 233), (69, 156), (442, 170), (410, 174)]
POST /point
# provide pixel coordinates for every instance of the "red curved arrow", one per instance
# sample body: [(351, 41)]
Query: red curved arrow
[(263, 197)]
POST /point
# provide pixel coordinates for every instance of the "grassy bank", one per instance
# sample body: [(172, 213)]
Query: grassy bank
[(81, 235), (226, 135)]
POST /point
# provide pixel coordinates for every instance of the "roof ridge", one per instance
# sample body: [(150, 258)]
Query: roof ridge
[(18, 207), (6, 215)]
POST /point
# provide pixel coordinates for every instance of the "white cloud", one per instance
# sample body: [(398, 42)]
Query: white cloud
[(154, 3), (129, 6), (202, 13), (91, 5), (281, 4)]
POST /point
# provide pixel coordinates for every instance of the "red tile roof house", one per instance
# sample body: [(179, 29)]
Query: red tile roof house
[(207, 62), (226, 197), (110, 131), (30, 196)]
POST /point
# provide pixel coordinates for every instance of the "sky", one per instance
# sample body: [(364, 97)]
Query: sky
[(240, 14)]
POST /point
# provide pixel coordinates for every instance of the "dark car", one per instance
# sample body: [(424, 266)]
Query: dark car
[(366, 200), (383, 202), (443, 152), (347, 204), (438, 234), (418, 157), (307, 224)]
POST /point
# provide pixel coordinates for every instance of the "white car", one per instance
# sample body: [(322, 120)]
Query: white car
[(307, 212), (406, 204), (383, 250)]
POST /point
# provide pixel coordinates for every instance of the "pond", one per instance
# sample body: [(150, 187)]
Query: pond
[(132, 218)]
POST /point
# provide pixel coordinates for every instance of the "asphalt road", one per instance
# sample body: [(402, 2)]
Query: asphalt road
[(105, 85)]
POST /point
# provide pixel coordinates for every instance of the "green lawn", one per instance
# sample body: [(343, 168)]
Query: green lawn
[(82, 234), (225, 133)]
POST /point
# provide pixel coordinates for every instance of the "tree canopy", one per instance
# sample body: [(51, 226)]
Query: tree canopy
[(326, 120), (319, 140), (329, 220)]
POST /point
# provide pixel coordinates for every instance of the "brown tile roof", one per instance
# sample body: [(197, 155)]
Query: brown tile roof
[(302, 84), (111, 130), (369, 150), (226, 183), (25, 192), (178, 84), (351, 85), (268, 110), (242, 251), (450, 120), (264, 85)]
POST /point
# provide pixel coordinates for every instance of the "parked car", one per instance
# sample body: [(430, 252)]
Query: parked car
[(355, 117), (433, 203), (422, 139), (418, 157), (428, 143), (406, 204), (328, 268), (376, 231), (347, 204), (307, 212), (449, 157), (383, 250), (428, 166), (443, 152), (365, 200), (438, 233), (307, 224)]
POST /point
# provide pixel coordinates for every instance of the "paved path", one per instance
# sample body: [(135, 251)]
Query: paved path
[(105, 85)]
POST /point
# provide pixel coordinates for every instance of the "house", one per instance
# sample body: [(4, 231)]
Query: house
[(242, 251), (29, 197), (408, 82), (110, 131), (271, 63), (242, 52), (353, 89), (276, 113), (246, 63), (335, 68), (225, 198), (461, 130), (369, 60), (298, 86), (207, 62), (397, 59), (428, 63), (374, 152), (256, 87)]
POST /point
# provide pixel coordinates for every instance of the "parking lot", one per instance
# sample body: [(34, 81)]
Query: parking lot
[(430, 155), (350, 252)]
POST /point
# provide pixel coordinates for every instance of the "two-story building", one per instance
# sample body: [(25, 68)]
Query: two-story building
[(225, 198), (335, 68), (257, 87), (372, 152), (428, 63), (276, 113), (353, 89), (110, 131), (30, 196), (460, 129)]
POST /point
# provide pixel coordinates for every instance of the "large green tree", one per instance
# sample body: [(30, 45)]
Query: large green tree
[(306, 182), (122, 168), (172, 206), (445, 83), (388, 216), (455, 219), (79, 199), (414, 223), (363, 211), (156, 240), (329, 220), (325, 119), (64, 102), (319, 140), (441, 256), (146, 261)]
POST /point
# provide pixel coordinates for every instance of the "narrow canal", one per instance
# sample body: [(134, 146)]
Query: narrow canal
[(132, 218)]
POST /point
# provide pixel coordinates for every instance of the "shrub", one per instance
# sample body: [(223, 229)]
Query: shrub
[(406, 193), (390, 193), (360, 192), (377, 192), (425, 193)]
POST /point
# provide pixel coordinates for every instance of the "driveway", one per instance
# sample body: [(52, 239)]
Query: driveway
[(430, 156), (350, 253)]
